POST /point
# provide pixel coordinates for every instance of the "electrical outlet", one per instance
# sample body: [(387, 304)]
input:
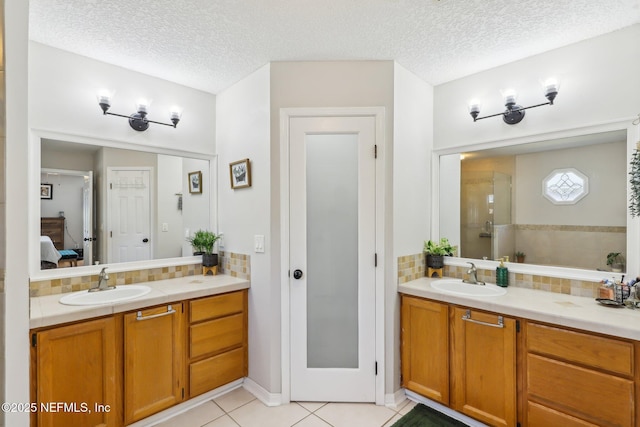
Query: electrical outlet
[(221, 241)]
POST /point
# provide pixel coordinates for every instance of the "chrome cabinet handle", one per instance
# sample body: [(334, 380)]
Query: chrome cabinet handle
[(170, 310), (467, 317)]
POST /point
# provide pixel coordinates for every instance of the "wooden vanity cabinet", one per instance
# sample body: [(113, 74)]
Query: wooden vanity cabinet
[(217, 341), (462, 358), (154, 377), (80, 365), (425, 348), (483, 359), (578, 379)]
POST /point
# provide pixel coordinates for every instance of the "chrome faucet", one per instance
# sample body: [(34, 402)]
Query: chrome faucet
[(473, 275), (103, 281)]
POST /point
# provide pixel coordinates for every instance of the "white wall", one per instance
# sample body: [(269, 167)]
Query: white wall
[(198, 210), (243, 132), (169, 182), (66, 197), (598, 83), (412, 145), (62, 98)]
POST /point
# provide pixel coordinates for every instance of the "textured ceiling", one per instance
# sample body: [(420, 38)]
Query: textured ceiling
[(211, 44)]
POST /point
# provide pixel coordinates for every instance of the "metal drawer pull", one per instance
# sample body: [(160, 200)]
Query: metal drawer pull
[(467, 317), (170, 310)]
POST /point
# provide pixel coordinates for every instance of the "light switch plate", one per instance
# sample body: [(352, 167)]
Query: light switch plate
[(221, 241), (258, 243), (165, 226)]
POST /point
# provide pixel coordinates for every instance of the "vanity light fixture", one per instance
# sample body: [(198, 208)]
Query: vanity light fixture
[(514, 112), (138, 121)]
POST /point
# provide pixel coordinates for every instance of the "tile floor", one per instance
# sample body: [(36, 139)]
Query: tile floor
[(241, 408)]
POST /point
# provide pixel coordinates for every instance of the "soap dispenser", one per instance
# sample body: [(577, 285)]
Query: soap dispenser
[(502, 274)]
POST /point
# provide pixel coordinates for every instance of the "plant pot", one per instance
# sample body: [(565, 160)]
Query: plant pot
[(435, 261), (209, 260), (617, 267), (520, 259)]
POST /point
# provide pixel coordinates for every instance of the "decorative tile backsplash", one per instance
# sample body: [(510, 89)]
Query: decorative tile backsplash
[(411, 267), (236, 265)]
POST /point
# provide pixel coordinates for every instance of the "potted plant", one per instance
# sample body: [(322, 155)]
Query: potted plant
[(616, 261), (436, 251), (203, 242), (520, 256)]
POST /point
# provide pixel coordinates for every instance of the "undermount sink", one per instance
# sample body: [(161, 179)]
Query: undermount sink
[(458, 287), (109, 296)]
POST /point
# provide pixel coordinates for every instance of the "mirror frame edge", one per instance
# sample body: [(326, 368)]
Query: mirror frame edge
[(33, 170), (633, 224)]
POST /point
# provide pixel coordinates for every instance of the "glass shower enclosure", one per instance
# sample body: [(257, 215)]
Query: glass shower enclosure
[(486, 229)]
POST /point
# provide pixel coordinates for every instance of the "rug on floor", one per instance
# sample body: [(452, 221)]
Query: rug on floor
[(423, 416)]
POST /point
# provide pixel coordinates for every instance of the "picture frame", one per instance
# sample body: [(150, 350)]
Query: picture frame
[(46, 191), (240, 174), (195, 182)]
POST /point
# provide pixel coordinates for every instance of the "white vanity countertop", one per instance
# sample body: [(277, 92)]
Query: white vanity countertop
[(549, 307), (47, 310)]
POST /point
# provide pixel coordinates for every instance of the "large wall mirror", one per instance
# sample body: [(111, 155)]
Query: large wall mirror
[(110, 204), (558, 202)]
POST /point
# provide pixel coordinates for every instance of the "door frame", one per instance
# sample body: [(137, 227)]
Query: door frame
[(152, 212), (286, 114)]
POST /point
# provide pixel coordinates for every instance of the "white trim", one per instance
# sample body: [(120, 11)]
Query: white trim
[(444, 409), (633, 224), (285, 115), (269, 399), (189, 404), (393, 400)]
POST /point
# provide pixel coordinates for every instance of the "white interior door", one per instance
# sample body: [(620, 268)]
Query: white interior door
[(129, 215), (332, 258), (87, 218)]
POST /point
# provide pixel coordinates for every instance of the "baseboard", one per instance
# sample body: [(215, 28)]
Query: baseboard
[(444, 409), (269, 399), (185, 406), (393, 400)]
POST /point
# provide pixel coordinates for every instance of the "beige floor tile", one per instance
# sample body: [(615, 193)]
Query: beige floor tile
[(312, 421), (234, 399), (256, 414), (393, 420), (224, 421), (312, 406), (355, 414), (409, 406), (195, 417)]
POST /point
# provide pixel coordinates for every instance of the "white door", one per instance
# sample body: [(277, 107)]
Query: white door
[(129, 215), (87, 218), (332, 258)]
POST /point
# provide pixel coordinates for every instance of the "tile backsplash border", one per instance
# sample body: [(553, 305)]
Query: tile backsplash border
[(411, 267), (236, 265)]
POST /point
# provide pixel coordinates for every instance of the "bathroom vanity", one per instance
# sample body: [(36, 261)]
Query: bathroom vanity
[(527, 358), (117, 364)]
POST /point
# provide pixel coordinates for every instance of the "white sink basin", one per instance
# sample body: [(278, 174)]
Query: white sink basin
[(458, 287), (120, 293)]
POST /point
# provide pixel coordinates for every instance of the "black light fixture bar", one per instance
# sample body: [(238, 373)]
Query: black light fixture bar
[(138, 121), (514, 113)]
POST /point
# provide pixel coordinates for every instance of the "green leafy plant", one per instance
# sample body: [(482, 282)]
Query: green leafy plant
[(614, 258), (203, 241), (520, 254), (443, 247)]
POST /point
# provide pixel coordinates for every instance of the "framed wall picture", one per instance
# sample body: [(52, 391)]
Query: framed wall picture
[(240, 173), (46, 191), (195, 182)]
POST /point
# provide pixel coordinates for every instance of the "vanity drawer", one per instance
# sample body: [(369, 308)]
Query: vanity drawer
[(216, 306), (601, 398), (216, 371), (216, 335), (539, 415), (590, 350)]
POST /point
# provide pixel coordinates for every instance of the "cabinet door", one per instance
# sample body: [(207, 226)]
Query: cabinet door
[(78, 366), (484, 366), (425, 348), (153, 360)]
